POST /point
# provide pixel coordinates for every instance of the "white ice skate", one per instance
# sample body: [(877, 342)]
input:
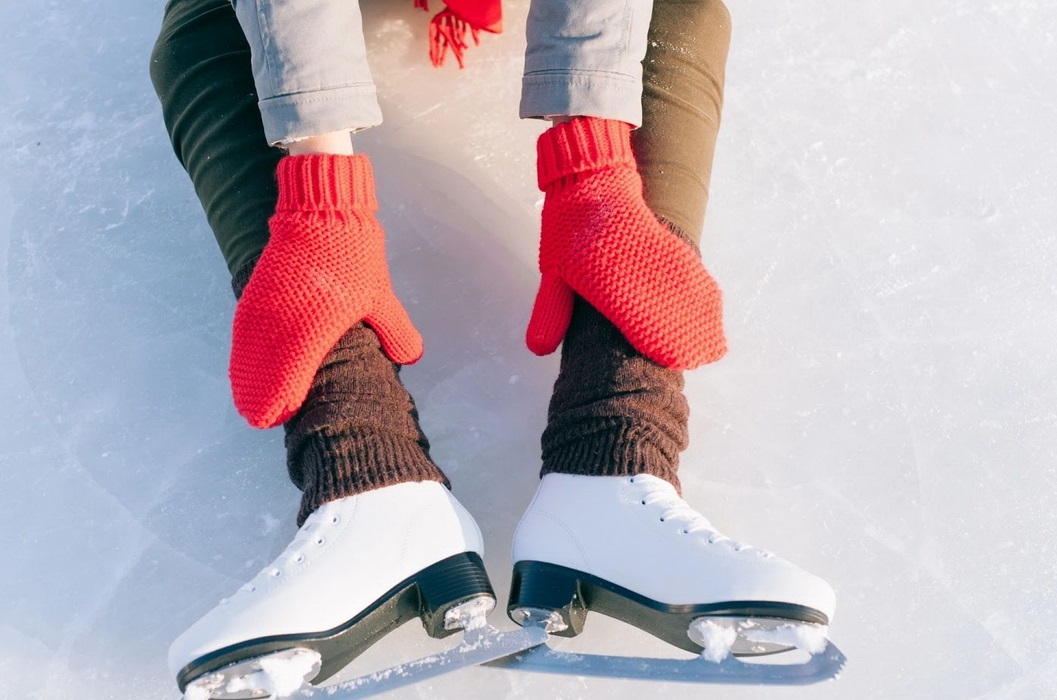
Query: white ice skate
[(356, 570), (632, 549)]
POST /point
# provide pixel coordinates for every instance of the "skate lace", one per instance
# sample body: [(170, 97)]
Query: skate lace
[(674, 509), (310, 535)]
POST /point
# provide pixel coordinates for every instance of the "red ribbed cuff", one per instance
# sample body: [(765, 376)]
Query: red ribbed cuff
[(322, 182), (581, 145)]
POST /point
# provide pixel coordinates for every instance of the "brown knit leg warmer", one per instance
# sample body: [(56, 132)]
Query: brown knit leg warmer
[(613, 412), (358, 429)]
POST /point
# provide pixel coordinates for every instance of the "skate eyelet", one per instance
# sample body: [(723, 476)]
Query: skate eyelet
[(643, 502), (334, 520), (685, 532), (275, 573), (631, 480), (321, 541), (299, 559)]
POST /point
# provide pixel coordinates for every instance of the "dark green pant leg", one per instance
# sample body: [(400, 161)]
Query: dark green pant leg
[(201, 71), (682, 98)]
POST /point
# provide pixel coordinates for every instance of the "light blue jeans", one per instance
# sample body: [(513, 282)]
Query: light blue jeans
[(584, 57)]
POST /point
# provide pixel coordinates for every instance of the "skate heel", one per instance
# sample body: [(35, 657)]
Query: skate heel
[(542, 593), (452, 593)]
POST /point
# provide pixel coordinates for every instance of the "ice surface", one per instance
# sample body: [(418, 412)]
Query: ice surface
[(882, 222)]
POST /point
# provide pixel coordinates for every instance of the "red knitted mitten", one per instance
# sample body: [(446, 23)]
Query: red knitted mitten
[(323, 271), (600, 240)]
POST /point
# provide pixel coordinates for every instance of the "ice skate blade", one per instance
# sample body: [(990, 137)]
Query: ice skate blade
[(574, 594), (825, 665), (458, 582), (273, 675), (480, 644)]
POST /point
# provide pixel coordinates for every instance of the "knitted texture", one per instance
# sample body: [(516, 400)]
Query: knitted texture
[(323, 271), (613, 412), (358, 429), (600, 240)]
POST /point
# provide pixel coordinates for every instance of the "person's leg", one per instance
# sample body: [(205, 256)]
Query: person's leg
[(358, 429), (682, 100), (613, 411), (371, 493), (200, 67), (618, 419), (309, 67), (584, 57), (584, 71), (323, 269)]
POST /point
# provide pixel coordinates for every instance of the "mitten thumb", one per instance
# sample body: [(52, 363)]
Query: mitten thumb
[(400, 341), (551, 315)]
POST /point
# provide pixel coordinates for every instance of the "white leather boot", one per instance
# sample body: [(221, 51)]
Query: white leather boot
[(632, 549), (358, 568)]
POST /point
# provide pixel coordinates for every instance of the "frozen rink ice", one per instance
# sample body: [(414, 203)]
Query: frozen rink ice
[(883, 222)]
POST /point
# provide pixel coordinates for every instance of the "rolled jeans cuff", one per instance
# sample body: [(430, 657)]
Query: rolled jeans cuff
[(293, 117), (582, 93), (583, 58)]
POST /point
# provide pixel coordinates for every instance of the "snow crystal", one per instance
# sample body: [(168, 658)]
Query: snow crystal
[(717, 636), (810, 638), (471, 615), (196, 692), (280, 674), (714, 638), (286, 675)]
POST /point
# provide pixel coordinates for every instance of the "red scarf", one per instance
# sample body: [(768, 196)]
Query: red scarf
[(448, 29)]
